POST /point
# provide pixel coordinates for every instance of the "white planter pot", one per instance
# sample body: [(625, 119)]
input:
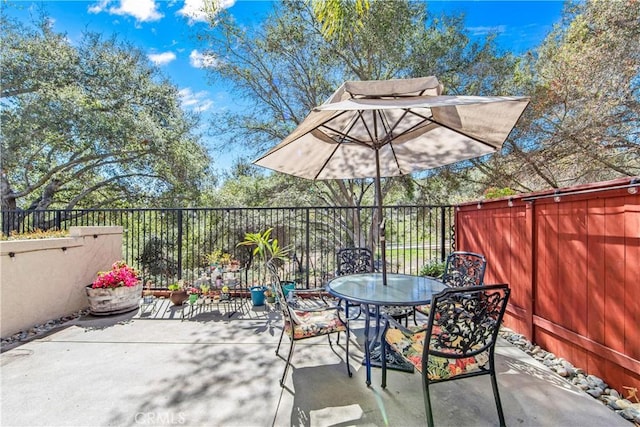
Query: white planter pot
[(105, 301)]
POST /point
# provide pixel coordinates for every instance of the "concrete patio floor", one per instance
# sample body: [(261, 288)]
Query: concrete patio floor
[(211, 370)]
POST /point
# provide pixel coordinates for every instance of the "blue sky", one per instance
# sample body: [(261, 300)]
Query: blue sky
[(166, 30)]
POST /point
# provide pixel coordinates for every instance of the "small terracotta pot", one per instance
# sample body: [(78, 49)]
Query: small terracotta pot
[(178, 297), (161, 293)]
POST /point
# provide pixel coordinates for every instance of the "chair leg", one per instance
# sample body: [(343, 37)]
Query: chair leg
[(280, 341), (496, 395), (383, 359), (329, 339), (427, 399), (346, 359), (346, 349), (286, 367), (415, 314)]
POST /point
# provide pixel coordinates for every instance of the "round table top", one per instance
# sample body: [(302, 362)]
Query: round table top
[(401, 289)]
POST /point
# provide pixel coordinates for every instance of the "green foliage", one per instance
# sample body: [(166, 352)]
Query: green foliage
[(496, 193), (218, 257), (582, 124), (265, 249), (36, 234), (156, 261), (433, 269), (339, 17), (91, 125), (176, 286), (288, 65)]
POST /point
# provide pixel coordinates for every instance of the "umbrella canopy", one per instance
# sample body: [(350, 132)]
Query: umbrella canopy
[(376, 128), (408, 122)]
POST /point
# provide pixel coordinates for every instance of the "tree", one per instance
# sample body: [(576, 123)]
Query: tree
[(92, 125), (288, 65), (583, 123)]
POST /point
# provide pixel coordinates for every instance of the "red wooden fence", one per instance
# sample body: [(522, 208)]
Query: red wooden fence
[(572, 260)]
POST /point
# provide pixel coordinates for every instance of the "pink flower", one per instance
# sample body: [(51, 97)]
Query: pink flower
[(119, 275)]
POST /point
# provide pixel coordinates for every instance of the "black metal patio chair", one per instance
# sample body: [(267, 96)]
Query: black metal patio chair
[(353, 261), (302, 322), (462, 269), (458, 341), (360, 260)]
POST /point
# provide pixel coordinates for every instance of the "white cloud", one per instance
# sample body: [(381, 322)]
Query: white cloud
[(202, 60), (483, 31), (161, 58), (142, 10), (195, 10), (99, 7), (198, 101)]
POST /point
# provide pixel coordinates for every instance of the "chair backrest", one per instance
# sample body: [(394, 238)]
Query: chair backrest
[(353, 260), (277, 284), (464, 269), (464, 322)]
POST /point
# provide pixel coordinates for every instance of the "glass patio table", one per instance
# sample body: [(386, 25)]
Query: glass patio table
[(367, 289)]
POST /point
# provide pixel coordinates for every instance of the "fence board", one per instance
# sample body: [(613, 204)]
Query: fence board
[(546, 268), (572, 252), (573, 269), (614, 275), (632, 276), (596, 256)]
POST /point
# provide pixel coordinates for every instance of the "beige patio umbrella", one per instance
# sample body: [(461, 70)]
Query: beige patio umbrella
[(385, 128)]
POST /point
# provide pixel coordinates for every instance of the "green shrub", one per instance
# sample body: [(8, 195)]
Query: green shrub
[(496, 193), (36, 234), (433, 269)]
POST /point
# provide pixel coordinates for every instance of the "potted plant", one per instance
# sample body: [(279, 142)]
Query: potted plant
[(204, 289), (193, 294), (178, 292), (234, 265), (147, 294), (271, 297), (265, 250), (225, 294), (222, 260), (115, 291)]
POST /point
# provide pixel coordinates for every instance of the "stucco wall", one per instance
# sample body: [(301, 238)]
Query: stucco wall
[(45, 279)]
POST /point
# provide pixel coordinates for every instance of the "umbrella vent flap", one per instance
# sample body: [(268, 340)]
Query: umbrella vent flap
[(395, 88)]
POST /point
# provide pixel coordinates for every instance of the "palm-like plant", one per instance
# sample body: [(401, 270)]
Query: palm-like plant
[(266, 249)]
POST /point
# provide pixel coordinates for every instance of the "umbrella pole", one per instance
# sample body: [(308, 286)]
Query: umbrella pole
[(381, 222)]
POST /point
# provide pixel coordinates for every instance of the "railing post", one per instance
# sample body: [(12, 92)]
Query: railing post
[(443, 229), (453, 228), (58, 220), (307, 246), (179, 244), (5, 221)]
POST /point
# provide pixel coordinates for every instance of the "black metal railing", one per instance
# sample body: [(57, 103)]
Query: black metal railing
[(171, 244)]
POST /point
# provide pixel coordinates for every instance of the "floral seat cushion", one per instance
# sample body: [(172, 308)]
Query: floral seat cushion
[(314, 323), (424, 309), (439, 368)]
